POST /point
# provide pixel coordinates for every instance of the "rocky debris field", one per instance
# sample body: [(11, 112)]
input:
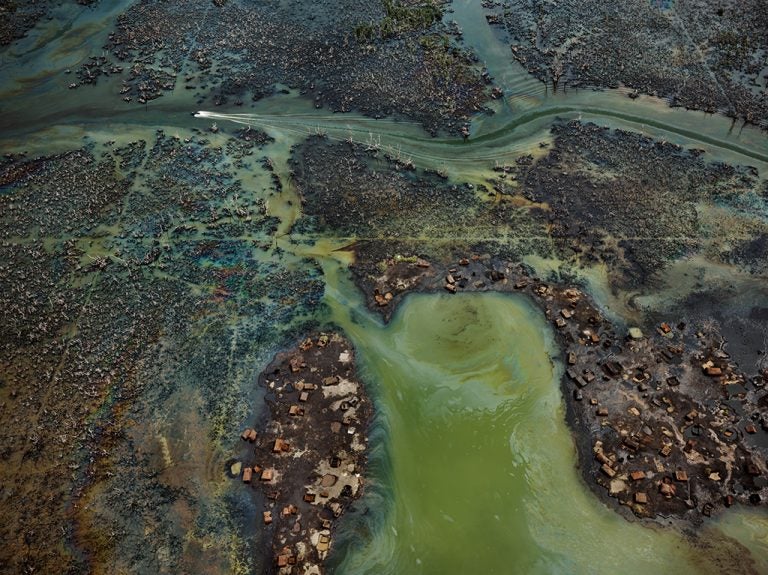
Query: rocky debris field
[(666, 423), (696, 54), (307, 459)]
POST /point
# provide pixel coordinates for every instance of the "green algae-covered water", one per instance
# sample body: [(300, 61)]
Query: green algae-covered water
[(474, 467)]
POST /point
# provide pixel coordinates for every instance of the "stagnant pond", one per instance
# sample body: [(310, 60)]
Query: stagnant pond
[(474, 468)]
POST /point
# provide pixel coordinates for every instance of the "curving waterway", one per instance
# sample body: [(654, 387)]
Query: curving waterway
[(473, 467)]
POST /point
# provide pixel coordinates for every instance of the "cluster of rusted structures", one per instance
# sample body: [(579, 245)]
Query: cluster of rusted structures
[(307, 459), (666, 424)]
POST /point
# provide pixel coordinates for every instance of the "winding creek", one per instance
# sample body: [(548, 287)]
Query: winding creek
[(473, 466)]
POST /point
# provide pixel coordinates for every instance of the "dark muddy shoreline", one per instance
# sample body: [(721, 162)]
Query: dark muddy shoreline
[(647, 418), (307, 459)]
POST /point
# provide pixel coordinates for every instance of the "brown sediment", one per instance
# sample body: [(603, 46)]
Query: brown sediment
[(308, 457), (665, 423)]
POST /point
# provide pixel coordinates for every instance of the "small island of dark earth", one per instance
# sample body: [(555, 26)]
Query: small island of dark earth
[(307, 460), (383, 286)]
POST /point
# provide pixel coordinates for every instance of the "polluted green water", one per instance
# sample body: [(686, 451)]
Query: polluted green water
[(472, 467), (477, 473)]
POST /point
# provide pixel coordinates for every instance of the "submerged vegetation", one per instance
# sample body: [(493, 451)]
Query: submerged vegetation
[(156, 286), (596, 197), (697, 54), (312, 49)]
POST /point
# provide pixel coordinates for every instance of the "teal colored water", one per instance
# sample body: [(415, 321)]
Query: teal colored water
[(473, 469)]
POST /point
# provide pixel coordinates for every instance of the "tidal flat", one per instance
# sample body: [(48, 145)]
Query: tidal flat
[(383, 287)]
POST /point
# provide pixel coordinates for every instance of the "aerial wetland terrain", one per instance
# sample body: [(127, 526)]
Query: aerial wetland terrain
[(384, 287)]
